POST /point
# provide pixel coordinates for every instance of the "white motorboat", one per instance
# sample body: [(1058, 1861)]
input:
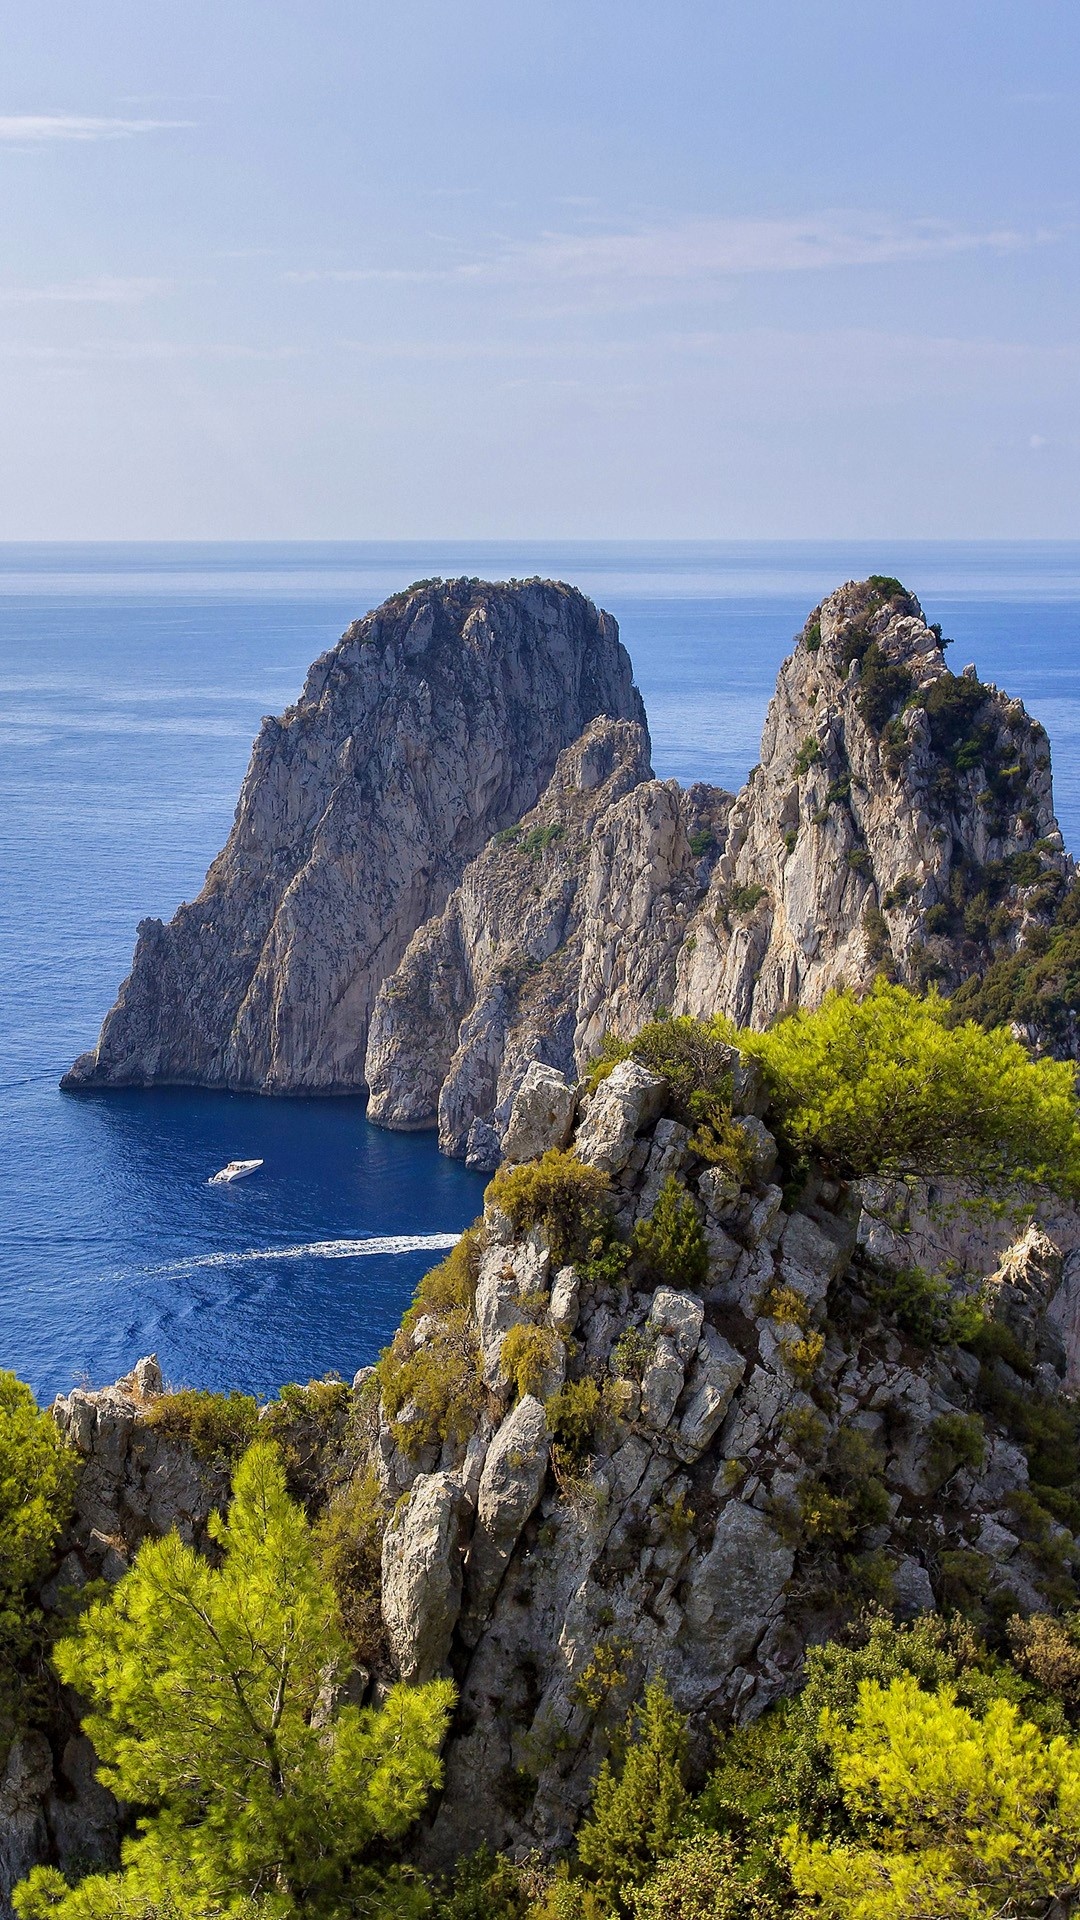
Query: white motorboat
[(236, 1170)]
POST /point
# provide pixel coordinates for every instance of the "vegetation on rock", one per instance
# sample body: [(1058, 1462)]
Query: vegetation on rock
[(213, 1708), (887, 1085), (557, 1194)]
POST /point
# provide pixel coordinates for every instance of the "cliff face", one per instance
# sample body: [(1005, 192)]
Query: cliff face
[(900, 816), (752, 1453), (408, 855), (570, 918), (766, 1448), (434, 722)]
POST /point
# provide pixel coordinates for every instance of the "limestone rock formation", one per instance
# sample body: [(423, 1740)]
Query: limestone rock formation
[(679, 1538), (899, 816), (758, 1442), (565, 922), (434, 723)]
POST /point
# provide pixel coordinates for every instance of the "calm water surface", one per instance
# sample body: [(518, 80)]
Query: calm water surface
[(132, 679)]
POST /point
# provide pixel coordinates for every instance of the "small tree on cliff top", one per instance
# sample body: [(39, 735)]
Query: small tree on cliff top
[(885, 1085), (212, 1704)]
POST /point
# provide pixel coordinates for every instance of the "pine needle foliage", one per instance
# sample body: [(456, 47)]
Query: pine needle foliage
[(973, 1817), (639, 1809), (887, 1085), (211, 1692), (671, 1243)]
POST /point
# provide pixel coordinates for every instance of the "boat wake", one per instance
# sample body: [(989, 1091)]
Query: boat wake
[(315, 1250)]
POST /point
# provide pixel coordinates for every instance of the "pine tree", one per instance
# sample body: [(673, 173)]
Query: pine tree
[(213, 1693), (639, 1811)]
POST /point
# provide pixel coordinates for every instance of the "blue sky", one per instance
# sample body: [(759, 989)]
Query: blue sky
[(572, 268)]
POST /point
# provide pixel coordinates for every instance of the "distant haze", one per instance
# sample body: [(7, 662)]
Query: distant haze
[(329, 269)]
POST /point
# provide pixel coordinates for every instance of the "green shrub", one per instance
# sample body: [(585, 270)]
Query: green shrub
[(883, 687), (886, 1086), (439, 1385), (808, 756), (574, 1413), (487, 1886), (701, 843), (1039, 986), (671, 1244), (218, 1427), (632, 1353), (348, 1540), (695, 1057), (559, 1195), (705, 1880), (37, 1485), (955, 1440), (639, 1808), (812, 636), (802, 1357), (1048, 1650), (745, 899), (539, 839), (526, 1355), (453, 1282), (948, 1813), (922, 1304)]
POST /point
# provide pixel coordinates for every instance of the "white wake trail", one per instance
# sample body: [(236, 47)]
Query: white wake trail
[(316, 1250)]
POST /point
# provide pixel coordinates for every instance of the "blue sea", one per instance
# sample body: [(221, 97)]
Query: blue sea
[(132, 680)]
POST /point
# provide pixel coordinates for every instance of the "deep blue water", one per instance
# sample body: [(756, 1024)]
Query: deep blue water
[(132, 680)]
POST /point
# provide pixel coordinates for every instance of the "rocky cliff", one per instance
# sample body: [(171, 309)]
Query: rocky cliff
[(435, 722), (590, 1474), (566, 922), (901, 817)]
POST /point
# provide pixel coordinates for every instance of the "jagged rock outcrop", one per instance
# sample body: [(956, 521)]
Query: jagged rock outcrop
[(686, 1536), (570, 919), (764, 1447), (435, 721), (899, 816)]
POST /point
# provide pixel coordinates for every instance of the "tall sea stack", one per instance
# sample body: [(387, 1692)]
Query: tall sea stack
[(434, 722)]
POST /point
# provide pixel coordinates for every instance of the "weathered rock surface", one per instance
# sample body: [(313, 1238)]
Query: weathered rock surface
[(421, 1575), (571, 917), (434, 722), (873, 830), (899, 816)]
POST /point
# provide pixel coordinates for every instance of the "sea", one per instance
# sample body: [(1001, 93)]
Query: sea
[(132, 681)]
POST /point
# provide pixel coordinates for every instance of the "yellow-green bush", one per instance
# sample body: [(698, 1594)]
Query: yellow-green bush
[(440, 1383), (559, 1195), (453, 1282), (348, 1540), (526, 1354), (886, 1085), (950, 1813), (218, 1427), (695, 1058)]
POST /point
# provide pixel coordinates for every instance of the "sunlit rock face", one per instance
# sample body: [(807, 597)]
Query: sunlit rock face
[(433, 723)]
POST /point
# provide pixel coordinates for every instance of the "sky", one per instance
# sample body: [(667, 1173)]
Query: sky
[(524, 269)]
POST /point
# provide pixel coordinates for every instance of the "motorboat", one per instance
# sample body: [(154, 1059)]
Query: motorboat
[(236, 1170)]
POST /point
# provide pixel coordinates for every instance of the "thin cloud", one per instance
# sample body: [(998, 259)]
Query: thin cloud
[(37, 129), (717, 248), (106, 290), (702, 250)]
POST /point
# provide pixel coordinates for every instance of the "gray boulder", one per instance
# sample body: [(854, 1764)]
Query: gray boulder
[(626, 1102), (542, 1115), (510, 1486), (421, 1576)]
